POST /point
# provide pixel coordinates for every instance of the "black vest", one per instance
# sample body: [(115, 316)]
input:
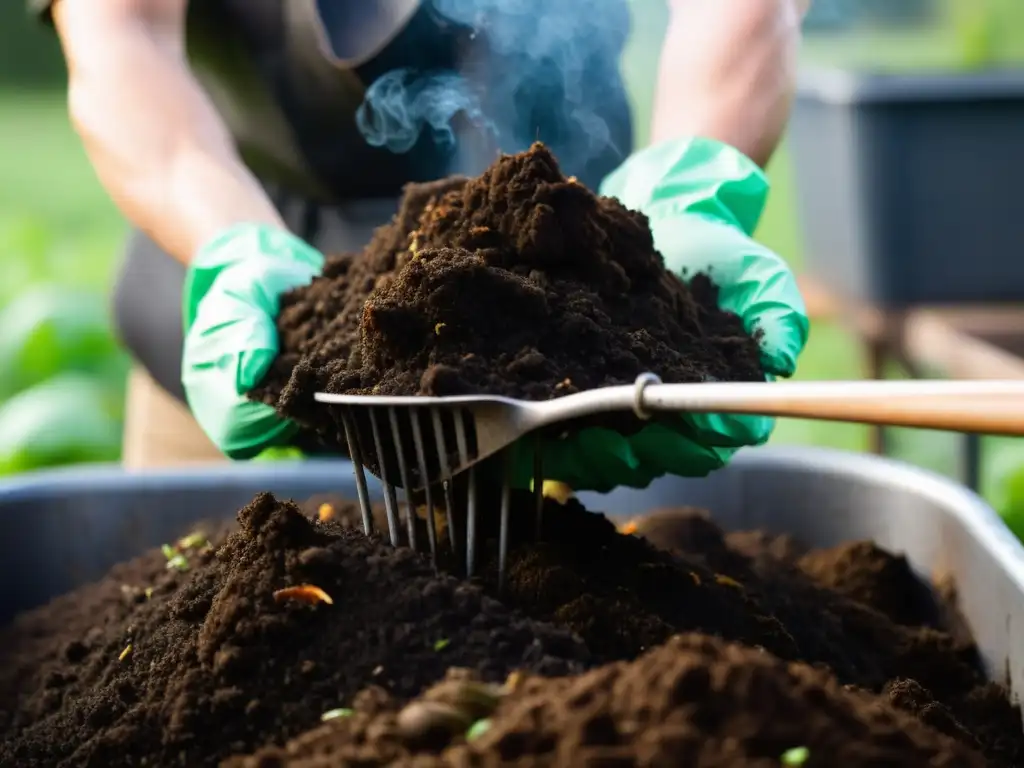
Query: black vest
[(292, 108)]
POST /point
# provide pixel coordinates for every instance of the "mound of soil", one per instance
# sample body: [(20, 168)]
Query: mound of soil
[(694, 701), (519, 282), (215, 665), (723, 651)]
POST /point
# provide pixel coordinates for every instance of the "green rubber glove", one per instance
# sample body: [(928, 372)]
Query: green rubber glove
[(231, 340), (704, 200)]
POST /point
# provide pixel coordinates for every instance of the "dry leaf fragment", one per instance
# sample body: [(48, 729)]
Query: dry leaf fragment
[(124, 654), (304, 593), (695, 576)]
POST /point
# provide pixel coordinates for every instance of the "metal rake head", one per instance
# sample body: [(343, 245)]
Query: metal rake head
[(435, 451)]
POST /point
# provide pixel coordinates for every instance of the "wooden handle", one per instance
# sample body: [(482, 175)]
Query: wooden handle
[(985, 407)]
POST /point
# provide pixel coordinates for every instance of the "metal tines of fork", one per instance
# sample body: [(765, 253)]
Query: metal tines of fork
[(416, 447)]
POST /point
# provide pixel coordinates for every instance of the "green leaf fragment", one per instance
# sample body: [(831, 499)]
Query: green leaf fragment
[(169, 551), (478, 729), (795, 756), (179, 562), (333, 714), (441, 644)]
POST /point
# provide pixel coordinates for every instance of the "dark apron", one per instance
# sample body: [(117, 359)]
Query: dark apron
[(287, 76)]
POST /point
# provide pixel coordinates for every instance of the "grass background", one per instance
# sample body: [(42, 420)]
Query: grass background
[(57, 224)]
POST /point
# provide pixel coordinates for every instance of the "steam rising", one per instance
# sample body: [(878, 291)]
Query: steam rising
[(400, 103), (536, 69)]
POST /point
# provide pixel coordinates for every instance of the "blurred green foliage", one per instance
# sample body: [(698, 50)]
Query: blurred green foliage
[(62, 373)]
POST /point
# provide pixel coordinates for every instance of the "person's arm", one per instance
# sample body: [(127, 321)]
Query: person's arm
[(154, 138), (728, 72)]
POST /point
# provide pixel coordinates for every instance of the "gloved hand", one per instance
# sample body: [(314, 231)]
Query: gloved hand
[(231, 342), (704, 200)]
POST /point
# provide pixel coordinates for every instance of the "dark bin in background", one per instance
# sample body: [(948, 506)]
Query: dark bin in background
[(910, 188)]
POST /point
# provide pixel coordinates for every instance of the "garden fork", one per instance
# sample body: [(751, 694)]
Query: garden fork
[(425, 443)]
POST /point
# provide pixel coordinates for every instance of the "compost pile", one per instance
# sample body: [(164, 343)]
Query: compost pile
[(604, 650), (519, 282)]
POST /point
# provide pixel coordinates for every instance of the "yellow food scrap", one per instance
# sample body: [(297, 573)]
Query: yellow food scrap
[(325, 512), (304, 593), (725, 581), (438, 327), (192, 541), (553, 489), (125, 653)]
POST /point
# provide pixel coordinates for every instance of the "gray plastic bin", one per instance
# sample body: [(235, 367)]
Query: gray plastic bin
[(60, 529), (909, 186)]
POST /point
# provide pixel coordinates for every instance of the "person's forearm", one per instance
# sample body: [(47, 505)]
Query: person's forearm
[(728, 72), (156, 142)]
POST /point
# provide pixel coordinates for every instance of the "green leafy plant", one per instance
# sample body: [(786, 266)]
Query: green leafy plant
[(68, 419), (50, 329), (62, 372)]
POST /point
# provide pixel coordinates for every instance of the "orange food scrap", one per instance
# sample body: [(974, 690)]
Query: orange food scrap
[(325, 512), (304, 593), (725, 581), (628, 528), (513, 681)]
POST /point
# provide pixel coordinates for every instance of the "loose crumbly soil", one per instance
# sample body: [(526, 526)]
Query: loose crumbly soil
[(519, 282), (705, 650)]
